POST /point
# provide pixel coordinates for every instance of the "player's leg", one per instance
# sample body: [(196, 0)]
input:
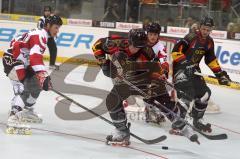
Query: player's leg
[(184, 87), (16, 72), (153, 114), (203, 94), (31, 93), (117, 113), (173, 113), (53, 52)]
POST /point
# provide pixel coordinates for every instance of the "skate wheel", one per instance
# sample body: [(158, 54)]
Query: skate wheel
[(108, 139), (175, 132), (18, 131), (209, 128), (27, 132), (127, 143), (9, 131), (171, 132)]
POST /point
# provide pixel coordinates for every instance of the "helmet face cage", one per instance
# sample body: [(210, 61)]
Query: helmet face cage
[(54, 19), (153, 28), (207, 21), (137, 38)]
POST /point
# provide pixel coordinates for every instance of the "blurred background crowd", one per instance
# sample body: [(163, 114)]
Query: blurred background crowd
[(180, 13)]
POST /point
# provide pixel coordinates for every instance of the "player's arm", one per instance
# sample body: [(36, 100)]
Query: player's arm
[(178, 51), (97, 49), (162, 55), (100, 51), (180, 61), (212, 62), (37, 47)]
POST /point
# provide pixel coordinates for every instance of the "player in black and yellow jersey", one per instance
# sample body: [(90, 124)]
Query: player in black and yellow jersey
[(187, 54)]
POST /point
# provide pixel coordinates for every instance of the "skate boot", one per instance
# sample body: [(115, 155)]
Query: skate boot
[(54, 67), (200, 125), (29, 116), (154, 115), (16, 126), (119, 137), (179, 127)]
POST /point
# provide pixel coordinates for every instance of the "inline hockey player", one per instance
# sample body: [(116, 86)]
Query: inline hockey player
[(129, 58), (51, 41), (153, 114), (153, 30), (23, 64), (187, 54)]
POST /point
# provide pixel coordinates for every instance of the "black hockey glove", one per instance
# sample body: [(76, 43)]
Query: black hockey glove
[(223, 78), (109, 69)]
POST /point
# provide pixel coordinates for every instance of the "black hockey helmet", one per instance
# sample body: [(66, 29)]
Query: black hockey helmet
[(153, 28), (137, 38), (207, 21), (47, 8), (54, 19)]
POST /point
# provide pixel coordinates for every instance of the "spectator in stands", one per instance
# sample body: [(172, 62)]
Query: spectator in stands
[(230, 31), (236, 28), (112, 12), (189, 22), (146, 21), (169, 22), (133, 10)]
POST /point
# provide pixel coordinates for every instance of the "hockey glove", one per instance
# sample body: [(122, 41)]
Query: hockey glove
[(109, 69), (223, 78), (44, 80), (190, 69)]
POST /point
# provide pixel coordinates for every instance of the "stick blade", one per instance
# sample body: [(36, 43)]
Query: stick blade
[(150, 142)]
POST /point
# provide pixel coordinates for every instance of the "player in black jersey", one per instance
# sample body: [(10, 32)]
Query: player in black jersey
[(51, 41), (187, 54)]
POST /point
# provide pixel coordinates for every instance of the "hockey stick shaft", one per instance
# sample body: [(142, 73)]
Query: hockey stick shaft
[(108, 121), (209, 76), (217, 137)]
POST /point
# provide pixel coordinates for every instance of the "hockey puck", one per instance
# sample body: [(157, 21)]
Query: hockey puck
[(164, 147)]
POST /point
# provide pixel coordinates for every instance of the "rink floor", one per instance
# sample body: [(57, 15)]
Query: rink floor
[(76, 138)]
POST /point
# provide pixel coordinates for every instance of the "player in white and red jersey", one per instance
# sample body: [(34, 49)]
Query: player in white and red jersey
[(23, 64), (153, 33), (153, 114), (153, 30)]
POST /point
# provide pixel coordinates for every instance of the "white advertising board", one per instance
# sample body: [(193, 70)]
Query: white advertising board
[(77, 40), (71, 40)]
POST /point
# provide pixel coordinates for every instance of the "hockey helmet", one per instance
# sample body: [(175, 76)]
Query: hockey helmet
[(137, 38), (54, 19), (153, 28), (207, 21)]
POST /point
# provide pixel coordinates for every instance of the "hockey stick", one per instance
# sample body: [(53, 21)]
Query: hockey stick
[(205, 75), (149, 142), (210, 137)]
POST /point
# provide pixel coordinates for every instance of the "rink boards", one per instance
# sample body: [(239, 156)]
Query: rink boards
[(75, 41)]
